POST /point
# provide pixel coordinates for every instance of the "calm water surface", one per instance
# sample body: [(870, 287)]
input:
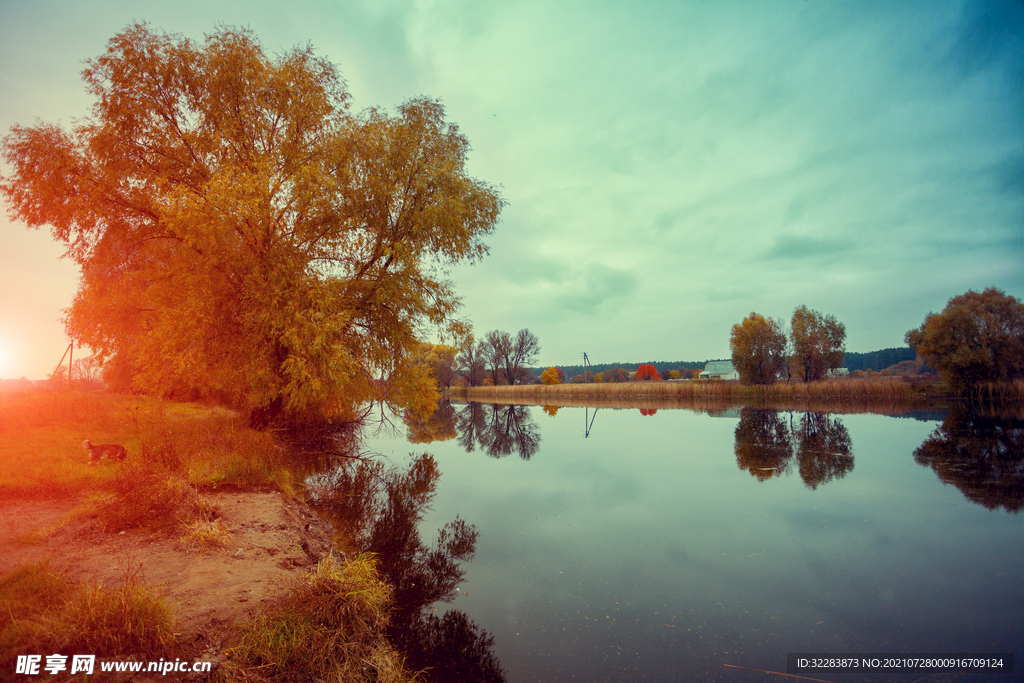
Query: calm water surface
[(628, 546)]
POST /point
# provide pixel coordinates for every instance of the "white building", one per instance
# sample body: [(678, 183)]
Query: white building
[(719, 369)]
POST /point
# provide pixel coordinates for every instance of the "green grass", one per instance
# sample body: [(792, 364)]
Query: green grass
[(41, 611), (330, 627), (41, 436)]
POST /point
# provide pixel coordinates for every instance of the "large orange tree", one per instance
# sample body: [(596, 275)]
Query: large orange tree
[(242, 233), (978, 337), (758, 349)]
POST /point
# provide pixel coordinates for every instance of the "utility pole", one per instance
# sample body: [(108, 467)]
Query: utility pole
[(66, 351), (586, 362)]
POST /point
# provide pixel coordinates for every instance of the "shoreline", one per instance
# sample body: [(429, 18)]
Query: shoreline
[(894, 395)]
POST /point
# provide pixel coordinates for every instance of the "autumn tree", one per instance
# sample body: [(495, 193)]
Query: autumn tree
[(977, 338), (615, 374), (819, 343), (550, 376), (647, 372), (440, 359), (758, 349), (241, 232)]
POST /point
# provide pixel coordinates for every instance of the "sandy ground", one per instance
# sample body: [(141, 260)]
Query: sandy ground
[(272, 541)]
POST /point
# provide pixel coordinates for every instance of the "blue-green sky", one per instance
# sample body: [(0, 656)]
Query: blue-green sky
[(669, 166)]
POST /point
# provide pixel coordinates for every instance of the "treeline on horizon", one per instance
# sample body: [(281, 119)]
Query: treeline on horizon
[(872, 360)]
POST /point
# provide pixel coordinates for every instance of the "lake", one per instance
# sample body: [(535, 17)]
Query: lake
[(665, 545)]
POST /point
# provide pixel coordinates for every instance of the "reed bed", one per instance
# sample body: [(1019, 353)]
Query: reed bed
[(857, 395), (1008, 393)]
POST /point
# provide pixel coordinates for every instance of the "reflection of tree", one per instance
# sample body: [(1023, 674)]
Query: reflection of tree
[(472, 426), (823, 449), (499, 430), (379, 511), (440, 426), (765, 446), (452, 649), (551, 410), (762, 443), (648, 411), (981, 456)]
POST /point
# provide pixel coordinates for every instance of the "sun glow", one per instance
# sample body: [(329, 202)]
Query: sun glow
[(6, 360)]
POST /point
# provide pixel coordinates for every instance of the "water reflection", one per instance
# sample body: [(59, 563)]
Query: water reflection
[(498, 430), (769, 443), (378, 510), (763, 445), (982, 456), (440, 426)]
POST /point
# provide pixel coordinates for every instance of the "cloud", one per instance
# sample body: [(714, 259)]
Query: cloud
[(596, 288), (800, 247)]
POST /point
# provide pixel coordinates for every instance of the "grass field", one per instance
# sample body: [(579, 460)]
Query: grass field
[(41, 438)]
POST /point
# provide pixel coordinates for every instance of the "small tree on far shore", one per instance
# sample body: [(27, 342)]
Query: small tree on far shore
[(647, 372), (550, 376), (819, 342), (758, 349)]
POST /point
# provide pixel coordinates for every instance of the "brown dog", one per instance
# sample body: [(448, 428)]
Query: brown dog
[(108, 450)]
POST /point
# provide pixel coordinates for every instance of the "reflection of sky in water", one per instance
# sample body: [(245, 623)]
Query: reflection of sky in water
[(645, 551)]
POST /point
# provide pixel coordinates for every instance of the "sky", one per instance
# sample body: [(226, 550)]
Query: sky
[(669, 167)]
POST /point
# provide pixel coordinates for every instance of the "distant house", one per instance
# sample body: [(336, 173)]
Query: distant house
[(719, 369), (838, 372)]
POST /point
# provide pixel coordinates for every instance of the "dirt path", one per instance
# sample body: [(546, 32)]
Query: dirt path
[(271, 541)]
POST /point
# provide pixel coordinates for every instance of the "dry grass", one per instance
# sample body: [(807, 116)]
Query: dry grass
[(1011, 392), (855, 394), (205, 534), (331, 627), (41, 611), (146, 495), (215, 451)]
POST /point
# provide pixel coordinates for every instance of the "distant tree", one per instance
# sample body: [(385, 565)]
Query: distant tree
[(977, 338), (519, 354), (647, 372), (616, 374), (758, 349), (472, 364), (87, 373), (494, 347), (819, 342), (550, 376)]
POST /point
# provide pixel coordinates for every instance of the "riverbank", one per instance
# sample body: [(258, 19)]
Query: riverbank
[(850, 391), (857, 394), (198, 547)]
